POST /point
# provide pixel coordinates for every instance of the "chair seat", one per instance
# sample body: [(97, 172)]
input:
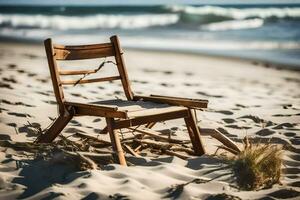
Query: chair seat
[(134, 109)]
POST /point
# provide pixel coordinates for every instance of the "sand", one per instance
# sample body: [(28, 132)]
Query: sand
[(246, 98)]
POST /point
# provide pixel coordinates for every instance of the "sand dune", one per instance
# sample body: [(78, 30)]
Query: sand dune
[(246, 99)]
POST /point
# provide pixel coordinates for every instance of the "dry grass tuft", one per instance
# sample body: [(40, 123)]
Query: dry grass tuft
[(257, 165)]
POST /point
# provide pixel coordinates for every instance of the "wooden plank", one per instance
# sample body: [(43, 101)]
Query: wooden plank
[(78, 54), (94, 106), (194, 134), (59, 124), (155, 134), (131, 151), (115, 140), (97, 110), (83, 81), (58, 90), (83, 47), (190, 103), (220, 137), (76, 72), (151, 118), (121, 67)]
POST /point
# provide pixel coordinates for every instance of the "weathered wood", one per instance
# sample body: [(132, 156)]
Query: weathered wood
[(97, 110), (131, 151), (83, 53), (172, 153), (59, 124), (115, 140), (83, 47), (95, 139), (190, 103), (121, 67), (58, 90), (155, 134), (76, 72), (194, 134), (220, 137), (93, 80), (186, 150), (126, 119), (151, 118)]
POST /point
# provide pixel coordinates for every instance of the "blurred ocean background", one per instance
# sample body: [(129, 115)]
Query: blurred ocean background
[(261, 32)]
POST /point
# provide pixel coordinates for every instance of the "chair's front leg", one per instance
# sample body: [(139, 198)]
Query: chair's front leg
[(115, 140), (194, 134), (59, 124)]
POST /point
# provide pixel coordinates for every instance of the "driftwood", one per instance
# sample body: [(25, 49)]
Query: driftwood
[(131, 151), (156, 135), (222, 138)]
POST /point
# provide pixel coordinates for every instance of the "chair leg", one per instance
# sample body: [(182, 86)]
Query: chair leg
[(115, 140), (194, 134), (59, 124)]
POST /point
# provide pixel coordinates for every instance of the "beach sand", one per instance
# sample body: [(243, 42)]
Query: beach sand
[(246, 98)]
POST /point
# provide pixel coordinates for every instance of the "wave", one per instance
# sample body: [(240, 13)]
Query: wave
[(61, 22), (234, 25), (237, 13)]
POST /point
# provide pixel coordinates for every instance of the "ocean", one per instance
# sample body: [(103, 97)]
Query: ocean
[(269, 33)]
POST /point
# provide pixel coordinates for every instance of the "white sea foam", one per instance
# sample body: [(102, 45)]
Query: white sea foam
[(88, 22), (234, 25), (236, 13)]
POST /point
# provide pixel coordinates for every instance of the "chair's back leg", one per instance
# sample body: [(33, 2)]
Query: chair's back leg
[(59, 124), (115, 141), (194, 134)]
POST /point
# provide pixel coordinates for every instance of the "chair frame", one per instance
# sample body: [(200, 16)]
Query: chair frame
[(115, 119)]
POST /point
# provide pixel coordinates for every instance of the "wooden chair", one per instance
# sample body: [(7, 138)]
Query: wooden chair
[(136, 110)]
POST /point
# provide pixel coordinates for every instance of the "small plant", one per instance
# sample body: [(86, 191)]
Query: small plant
[(257, 165)]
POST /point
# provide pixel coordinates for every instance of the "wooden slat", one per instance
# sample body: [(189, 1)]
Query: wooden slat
[(121, 67), (194, 134), (82, 47), (93, 106), (76, 72), (115, 141), (155, 134), (151, 118), (72, 53), (83, 81), (191, 103), (58, 89)]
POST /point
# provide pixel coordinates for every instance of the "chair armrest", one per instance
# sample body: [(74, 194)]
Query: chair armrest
[(177, 101)]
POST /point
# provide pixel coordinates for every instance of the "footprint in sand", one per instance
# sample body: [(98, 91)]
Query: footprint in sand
[(237, 127), (289, 134), (5, 85), (295, 184), (209, 95), (19, 114), (30, 129), (74, 130), (228, 120), (225, 112), (284, 125), (12, 66), (97, 120), (4, 137), (10, 80), (265, 132), (16, 103), (285, 194), (295, 141), (166, 84), (3, 109)]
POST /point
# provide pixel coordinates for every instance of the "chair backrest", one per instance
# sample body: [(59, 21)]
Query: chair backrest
[(59, 52)]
